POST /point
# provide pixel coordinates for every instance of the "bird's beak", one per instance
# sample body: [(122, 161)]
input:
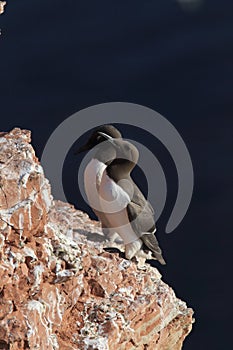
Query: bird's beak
[(109, 138), (83, 148)]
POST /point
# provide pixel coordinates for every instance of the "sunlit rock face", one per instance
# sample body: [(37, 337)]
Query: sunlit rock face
[(59, 289)]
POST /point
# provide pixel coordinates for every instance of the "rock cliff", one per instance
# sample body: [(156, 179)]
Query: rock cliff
[(59, 289)]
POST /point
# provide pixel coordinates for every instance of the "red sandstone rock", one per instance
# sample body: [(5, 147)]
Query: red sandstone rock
[(58, 288)]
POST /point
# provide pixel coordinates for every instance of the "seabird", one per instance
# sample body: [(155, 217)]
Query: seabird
[(125, 208), (95, 168), (122, 208)]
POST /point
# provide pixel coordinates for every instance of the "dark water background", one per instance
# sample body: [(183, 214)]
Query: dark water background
[(59, 57)]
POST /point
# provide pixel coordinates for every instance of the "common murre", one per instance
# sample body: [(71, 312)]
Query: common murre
[(94, 171), (126, 210)]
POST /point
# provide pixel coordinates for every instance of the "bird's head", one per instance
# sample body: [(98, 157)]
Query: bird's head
[(97, 137)]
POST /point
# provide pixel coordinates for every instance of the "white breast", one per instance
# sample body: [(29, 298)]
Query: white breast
[(113, 201), (106, 196), (92, 179), (112, 197)]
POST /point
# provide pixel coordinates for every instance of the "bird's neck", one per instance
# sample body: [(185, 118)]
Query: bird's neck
[(105, 154), (120, 169)]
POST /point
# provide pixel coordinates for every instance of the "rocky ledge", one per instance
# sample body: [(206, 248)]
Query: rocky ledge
[(59, 289)]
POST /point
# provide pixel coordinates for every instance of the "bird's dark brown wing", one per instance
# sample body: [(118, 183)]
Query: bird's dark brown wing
[(140, 200), (141, 217), (142, 220)]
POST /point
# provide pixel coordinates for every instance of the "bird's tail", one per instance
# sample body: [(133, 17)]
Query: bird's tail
[(151, 243), (161, 260)]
